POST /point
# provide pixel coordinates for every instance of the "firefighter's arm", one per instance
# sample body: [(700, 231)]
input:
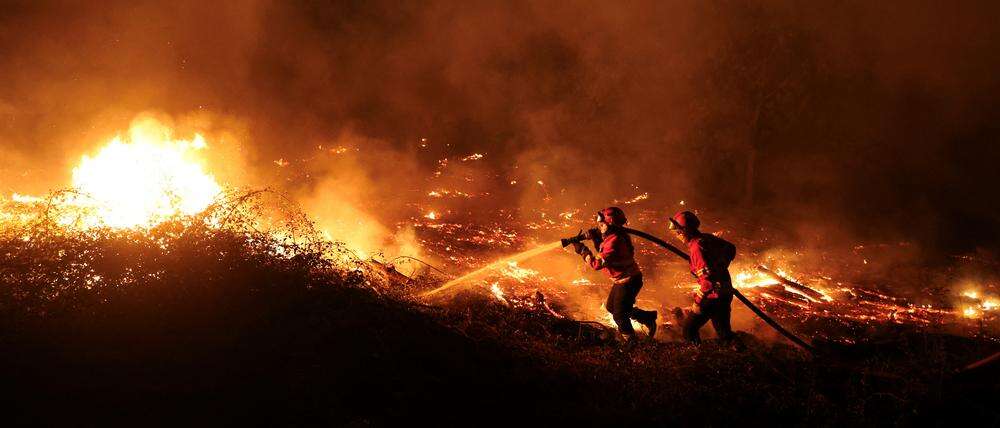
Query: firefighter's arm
[(594, 262), (701, 272), (595, 236), (611, 252)]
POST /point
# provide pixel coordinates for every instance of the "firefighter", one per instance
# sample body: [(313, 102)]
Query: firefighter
[(710, 259), (615, 255)]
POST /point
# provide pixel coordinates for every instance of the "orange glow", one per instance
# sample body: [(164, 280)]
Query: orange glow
[(144, 178)]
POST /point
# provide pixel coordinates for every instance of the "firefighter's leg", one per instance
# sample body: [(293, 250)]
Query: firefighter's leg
[(721, 315), (619, 304), (644, 317), (624, 323)]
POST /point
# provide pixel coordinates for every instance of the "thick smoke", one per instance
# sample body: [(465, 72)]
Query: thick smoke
[(864, 120)]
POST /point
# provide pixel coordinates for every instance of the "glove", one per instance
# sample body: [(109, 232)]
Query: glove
[(579, 248), (695, 309), (594, 236), (698, 295)]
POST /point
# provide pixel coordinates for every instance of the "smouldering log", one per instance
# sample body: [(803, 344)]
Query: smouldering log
[(812, 294)]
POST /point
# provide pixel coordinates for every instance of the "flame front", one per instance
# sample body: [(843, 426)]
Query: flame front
[(145, 179)]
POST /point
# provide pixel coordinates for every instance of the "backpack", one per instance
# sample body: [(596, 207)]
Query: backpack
[(718, 246)]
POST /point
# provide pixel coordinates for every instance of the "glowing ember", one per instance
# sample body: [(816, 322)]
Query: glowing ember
[(497, 292), (432, 215), (452, 193), (144, 179), (640, 197)]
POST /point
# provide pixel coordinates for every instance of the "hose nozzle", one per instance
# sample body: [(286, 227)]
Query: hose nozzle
[(580, 237), (573, 239)]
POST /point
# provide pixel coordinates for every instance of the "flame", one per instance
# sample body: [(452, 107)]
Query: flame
[(984, 303), (497, 292), (609, 320), (26, 199), (751, 278), (754, 278), (145, 178)]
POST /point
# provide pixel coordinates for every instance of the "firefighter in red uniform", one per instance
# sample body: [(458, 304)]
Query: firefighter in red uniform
[(710, 258), (616, 257)]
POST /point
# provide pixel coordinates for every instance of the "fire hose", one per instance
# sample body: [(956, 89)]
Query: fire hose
[(771, 322)]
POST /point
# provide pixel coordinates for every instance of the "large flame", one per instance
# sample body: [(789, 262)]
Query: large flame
[(146, 178)]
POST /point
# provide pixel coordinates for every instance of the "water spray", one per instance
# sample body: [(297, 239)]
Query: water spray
[(524, 255)]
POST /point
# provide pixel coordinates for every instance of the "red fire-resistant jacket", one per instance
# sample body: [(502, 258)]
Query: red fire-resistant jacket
[(710, 258), (616, 255)]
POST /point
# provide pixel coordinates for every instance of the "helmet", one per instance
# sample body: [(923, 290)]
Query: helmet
[(685, 221), (612, 216)]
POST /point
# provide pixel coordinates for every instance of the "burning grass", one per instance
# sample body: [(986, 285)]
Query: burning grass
[(50, 270)]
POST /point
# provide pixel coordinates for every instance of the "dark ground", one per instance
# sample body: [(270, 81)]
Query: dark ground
[(224, 332)]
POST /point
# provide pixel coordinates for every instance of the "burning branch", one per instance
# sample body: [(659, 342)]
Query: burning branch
[(808, 292)]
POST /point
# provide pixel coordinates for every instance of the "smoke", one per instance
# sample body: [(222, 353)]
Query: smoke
[(865, 121), (360, 182)]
